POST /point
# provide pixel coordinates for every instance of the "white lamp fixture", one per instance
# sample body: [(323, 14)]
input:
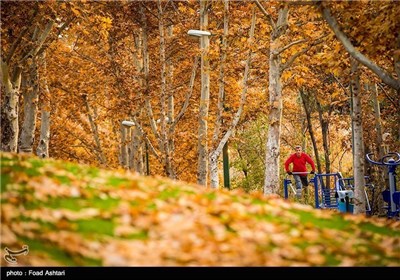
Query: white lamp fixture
[(128, 123), (198, 33)]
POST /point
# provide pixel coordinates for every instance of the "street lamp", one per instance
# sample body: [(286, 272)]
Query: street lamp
[(125, 159), (128, 124), (198, 33), (202, 169), (205, 93)]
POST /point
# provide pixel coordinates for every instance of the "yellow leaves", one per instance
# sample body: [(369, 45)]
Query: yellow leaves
[(75, 11), (336, 72), (286, 75), (315, 255), (156, 221), (181, 8), (7, 236)]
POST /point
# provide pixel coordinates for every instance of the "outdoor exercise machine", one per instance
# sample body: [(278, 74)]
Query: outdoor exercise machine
[(331, 190), (390, 196), (287, 183)]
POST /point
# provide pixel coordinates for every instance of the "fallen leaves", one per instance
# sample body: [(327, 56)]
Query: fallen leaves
[(121, 219)]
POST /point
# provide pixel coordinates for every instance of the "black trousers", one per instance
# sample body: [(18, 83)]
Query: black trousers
[(304, 180)]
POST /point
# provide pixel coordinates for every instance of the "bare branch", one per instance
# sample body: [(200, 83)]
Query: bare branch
[(304, 50), (144, 134), (388, 96), (333, 24), (41, 40), (266, 14), (246, 75), (23, 32), (277, 52), (186, 103)]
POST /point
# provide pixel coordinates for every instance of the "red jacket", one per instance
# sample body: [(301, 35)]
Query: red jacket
[(299, 163)]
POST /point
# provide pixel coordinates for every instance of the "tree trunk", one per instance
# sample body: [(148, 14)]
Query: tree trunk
[(214, 178), (166, 108), (325, 136), (137, 136), (202, 169), (31, 95), (9, 112), (378, 122), (98, 150), (124, 146), (163, 109), (170, 151), (43, 145), (137, 146), (217, 152), (359, 154), (272, 148), (306, 104)]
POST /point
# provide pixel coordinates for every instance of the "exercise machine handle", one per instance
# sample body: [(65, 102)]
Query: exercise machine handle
[(391, 159)]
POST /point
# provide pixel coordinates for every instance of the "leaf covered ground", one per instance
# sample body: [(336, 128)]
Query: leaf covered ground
[(75, 215)]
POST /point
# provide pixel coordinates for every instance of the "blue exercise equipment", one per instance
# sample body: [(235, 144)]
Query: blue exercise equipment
[(390, 196), (337, 194)]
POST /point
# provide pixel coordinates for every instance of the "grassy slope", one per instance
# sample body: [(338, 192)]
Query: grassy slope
[(76, 215)]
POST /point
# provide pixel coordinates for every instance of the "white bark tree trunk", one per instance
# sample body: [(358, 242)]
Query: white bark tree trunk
[(170, 143), (31, 96), (137, 145), (137, 136), (217, 152), (202, 170), (359, 154), (214, 178), (124, 146), (166, 107), (98, 149), (378, 121), (12, 83), (42, 149), (272, 148), (9, 112)]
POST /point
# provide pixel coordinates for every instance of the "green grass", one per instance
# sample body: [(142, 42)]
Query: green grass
[(55, 253), (151, 206), (32, 172), (377, 229), (103, 204), (5, 180), (142, 235), (76, 204), (169, 193), (59, 255), (74, 169), (95, 227), (334, 222), (44, 226), (62, 179), (116, 181), (331, 260), (36, 163), (211, 196)]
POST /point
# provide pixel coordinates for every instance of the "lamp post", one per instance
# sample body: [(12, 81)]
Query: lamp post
[(202, 169), (125, 127), (128, 124), (198, 33)]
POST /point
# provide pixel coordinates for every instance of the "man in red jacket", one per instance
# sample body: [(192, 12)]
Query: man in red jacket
[(299, 160)]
